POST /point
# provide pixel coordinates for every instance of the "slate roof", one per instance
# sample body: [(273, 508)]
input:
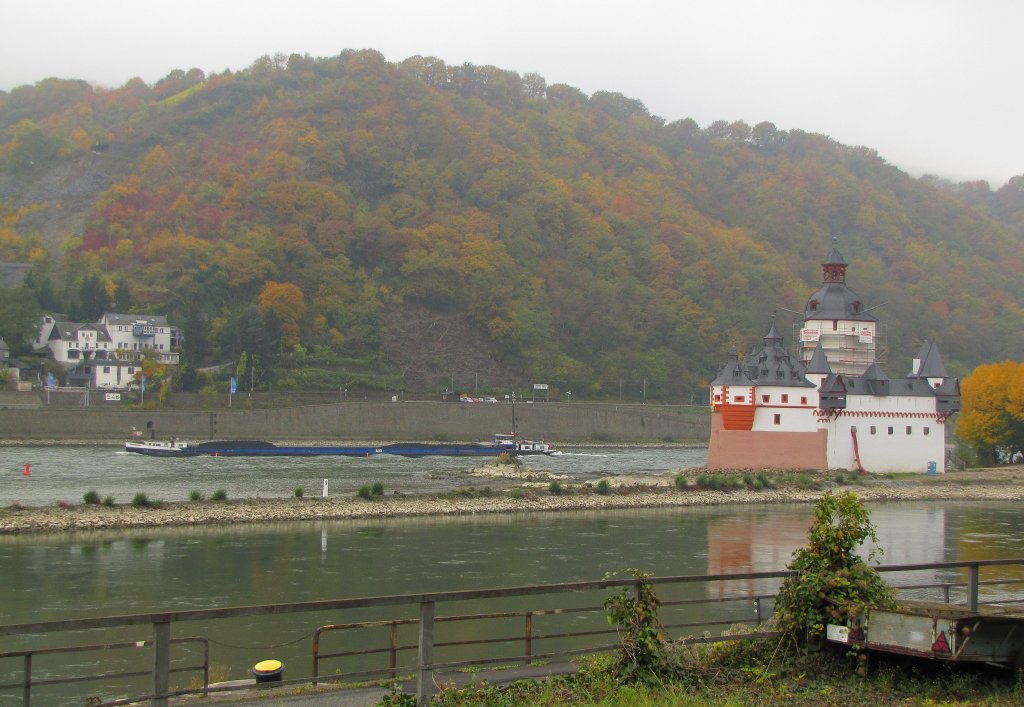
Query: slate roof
[(69, 331), (835, 300), (771, 365), (732, 373), (930, 363), (819, 361)]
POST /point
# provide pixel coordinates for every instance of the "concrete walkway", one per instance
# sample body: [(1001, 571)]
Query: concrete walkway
[(340, 696)]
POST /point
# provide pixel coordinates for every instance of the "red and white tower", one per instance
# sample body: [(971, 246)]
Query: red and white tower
[(835, 317)]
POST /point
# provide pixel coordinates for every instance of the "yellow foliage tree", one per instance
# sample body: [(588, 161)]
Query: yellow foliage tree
[(992, 416), (285, 301)]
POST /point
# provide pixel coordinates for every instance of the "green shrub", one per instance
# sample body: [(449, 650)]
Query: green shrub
[(91, 497), (195, 496), (555, 488), (516, 493), (365, 492), (299, 492), (643, 656), (681, 482), (377, 489), (141, 500), (603, 487), (108, 501), (219, 495), (832, 583), (806, 482)]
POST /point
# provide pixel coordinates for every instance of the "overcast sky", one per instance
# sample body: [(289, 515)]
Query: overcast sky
[(934, 86)]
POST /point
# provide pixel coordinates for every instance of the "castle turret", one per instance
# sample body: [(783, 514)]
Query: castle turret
[(835, 319)]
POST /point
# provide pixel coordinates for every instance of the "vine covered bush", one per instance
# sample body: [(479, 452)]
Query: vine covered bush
[(831, 582), (643, 653)]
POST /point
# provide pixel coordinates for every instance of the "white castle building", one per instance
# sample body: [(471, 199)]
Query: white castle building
[(833, 407)]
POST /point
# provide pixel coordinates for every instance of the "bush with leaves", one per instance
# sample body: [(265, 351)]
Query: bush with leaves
[(643, 655), (831, 582)]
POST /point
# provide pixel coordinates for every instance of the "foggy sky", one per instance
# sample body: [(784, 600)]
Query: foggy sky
[(932, 85)]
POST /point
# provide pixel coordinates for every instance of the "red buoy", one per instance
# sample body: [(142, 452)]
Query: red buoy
[(26, 472)]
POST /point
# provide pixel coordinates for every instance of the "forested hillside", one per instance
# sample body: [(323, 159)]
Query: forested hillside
[(350, 219)]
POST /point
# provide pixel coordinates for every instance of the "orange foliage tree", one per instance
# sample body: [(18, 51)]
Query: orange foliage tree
[(992, 419), (284, 301)]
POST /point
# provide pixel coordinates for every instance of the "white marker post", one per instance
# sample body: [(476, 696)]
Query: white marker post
[(325, 488)]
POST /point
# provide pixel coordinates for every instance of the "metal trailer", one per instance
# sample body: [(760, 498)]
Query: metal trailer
[(987, 634)]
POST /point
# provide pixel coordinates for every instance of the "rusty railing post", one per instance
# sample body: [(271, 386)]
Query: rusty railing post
[(393, 650), (26, 689), (972, 587), (316, 655), (161, 661), (425, 655), (528, 637)]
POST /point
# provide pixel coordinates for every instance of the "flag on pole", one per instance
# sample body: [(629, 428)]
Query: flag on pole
[(234, 385), (142, 383), (49, 380)]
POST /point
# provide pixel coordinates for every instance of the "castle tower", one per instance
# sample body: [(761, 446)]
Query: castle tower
[(835, 320)]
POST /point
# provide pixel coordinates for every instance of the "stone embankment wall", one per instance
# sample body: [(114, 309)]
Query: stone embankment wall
[(365, 421)]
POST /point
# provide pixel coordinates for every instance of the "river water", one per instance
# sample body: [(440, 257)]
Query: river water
[(64, 576), (65, 474)]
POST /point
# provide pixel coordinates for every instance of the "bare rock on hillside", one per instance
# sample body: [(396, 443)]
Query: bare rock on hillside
[(434, 350)]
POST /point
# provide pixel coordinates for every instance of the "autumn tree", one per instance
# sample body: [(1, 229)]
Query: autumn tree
[(285, 302), (992, 416)]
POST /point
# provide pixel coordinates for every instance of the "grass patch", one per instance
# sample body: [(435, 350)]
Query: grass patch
[(91, 498), (219, 495), (195, 496), (748, 673), (365, 492), (141, 500)]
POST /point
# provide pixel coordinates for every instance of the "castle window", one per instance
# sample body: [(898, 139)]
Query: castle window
[(856, 307), (803, 399), (853, 429), (873, 429), (778, 419), (909, 428), (925, 431), (739, 398), (785, 398), (765, 398), (835, 325), (718, 396), (814, 305), (890, 430)]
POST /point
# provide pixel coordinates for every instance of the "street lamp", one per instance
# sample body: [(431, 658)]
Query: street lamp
[(568, 396)]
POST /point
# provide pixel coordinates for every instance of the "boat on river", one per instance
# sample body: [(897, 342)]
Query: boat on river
[(243, 448), (501, 444)]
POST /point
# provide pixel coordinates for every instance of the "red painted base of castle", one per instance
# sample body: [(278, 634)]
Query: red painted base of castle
[(746, 449)]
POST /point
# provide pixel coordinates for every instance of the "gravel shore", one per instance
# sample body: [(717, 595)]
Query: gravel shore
[(1004, 484)]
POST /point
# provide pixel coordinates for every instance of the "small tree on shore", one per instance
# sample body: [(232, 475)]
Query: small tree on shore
[(831, 582)]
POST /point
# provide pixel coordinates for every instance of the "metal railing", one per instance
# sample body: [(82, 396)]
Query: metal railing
[(425, 605)]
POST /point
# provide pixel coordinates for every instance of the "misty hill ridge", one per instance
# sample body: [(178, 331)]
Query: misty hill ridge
[(332, 203)]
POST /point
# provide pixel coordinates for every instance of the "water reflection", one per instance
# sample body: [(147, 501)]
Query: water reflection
[(107, 572)]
